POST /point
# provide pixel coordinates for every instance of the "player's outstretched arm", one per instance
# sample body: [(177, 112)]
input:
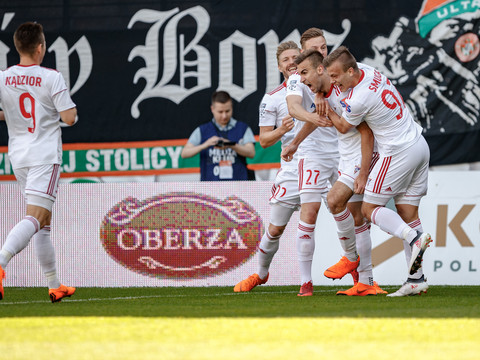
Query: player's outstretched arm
[(339, 122), (2, 116), (296, 110)]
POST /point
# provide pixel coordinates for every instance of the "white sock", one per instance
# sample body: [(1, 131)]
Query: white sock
[(18, 239), (305, 249), (346, 233), (46, 256), (267, 249), (364, 247), (417, 225), (390, 222)]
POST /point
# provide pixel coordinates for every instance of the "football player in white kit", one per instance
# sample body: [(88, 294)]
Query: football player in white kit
[(345, 199), (34, 99), (318, 161), (401, 172), (276, 124)]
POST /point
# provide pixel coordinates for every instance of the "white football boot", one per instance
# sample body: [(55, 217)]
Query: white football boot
[(421, 242), (410, 288)]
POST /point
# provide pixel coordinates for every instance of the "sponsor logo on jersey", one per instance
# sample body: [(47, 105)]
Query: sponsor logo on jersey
[(344, 104), (262, 109), (292, 85), (181, 235)]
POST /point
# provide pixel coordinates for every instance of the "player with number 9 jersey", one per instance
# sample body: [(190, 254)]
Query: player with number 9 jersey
[(401, 172), (33, 101), (32, 98), (376, 101)]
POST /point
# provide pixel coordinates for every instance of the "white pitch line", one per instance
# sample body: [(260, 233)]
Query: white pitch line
[(152, 296)]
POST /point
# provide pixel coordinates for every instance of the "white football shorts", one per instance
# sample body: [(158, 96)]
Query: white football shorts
[(348, 171), (316, 177), (39, 184), (285, 188), (403, 176)]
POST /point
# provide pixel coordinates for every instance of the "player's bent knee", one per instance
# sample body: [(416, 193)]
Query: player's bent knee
[(367, 210), (40, 208), (275, 231)]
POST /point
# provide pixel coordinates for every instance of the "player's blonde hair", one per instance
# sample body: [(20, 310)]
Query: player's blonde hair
[(288, 45), (311, 33), (344, 56)]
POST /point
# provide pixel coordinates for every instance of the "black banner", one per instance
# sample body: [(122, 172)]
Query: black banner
[(145, 70)]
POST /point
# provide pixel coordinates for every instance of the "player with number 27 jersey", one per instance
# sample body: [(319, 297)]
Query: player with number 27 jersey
[(32, 98)]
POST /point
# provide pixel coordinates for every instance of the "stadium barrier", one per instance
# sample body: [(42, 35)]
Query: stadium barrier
[(206, 234)]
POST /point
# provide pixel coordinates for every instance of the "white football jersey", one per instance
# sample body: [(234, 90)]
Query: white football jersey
[(376, 101), (32, 98), (350, 143), (273, 109), (323, 141)]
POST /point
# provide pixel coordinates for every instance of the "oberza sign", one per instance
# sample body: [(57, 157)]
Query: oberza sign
[(181, 235)]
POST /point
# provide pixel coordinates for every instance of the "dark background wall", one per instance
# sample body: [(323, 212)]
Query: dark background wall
[(102, 51)]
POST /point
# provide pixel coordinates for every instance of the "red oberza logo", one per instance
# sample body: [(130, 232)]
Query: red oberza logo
[(181, 235)]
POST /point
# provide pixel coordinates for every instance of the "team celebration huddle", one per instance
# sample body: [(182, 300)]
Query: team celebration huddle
[(347, 140)]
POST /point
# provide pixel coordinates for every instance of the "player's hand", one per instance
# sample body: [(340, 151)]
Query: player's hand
[(328, 110), (288, 152), (324, 122), (360, 183), (320, 104), (287, 124)]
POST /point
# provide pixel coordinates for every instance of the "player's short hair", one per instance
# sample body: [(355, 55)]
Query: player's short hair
[(27, 37), (313, 55), (311, 33), (343, 55), (221, 97), (288, 45)]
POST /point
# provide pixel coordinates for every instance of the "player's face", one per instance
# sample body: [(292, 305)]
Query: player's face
[(340, 78), (222, 112), (286, 62), (309, 75), (318, 44)]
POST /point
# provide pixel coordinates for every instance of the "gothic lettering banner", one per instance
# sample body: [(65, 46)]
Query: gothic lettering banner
[(145, 71)]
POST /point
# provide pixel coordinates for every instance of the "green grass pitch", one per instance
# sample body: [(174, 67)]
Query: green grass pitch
[(270, 322)]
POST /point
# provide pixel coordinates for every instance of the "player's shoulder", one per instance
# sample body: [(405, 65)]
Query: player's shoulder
[(294, 83), (295, 77), (277, 90), (48, 70)]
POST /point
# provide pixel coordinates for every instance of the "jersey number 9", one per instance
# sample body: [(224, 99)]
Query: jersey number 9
[(25, 113)]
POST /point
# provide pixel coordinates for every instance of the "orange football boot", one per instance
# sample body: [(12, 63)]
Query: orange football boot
[(56, 295), (341, 268), (249, 283)]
